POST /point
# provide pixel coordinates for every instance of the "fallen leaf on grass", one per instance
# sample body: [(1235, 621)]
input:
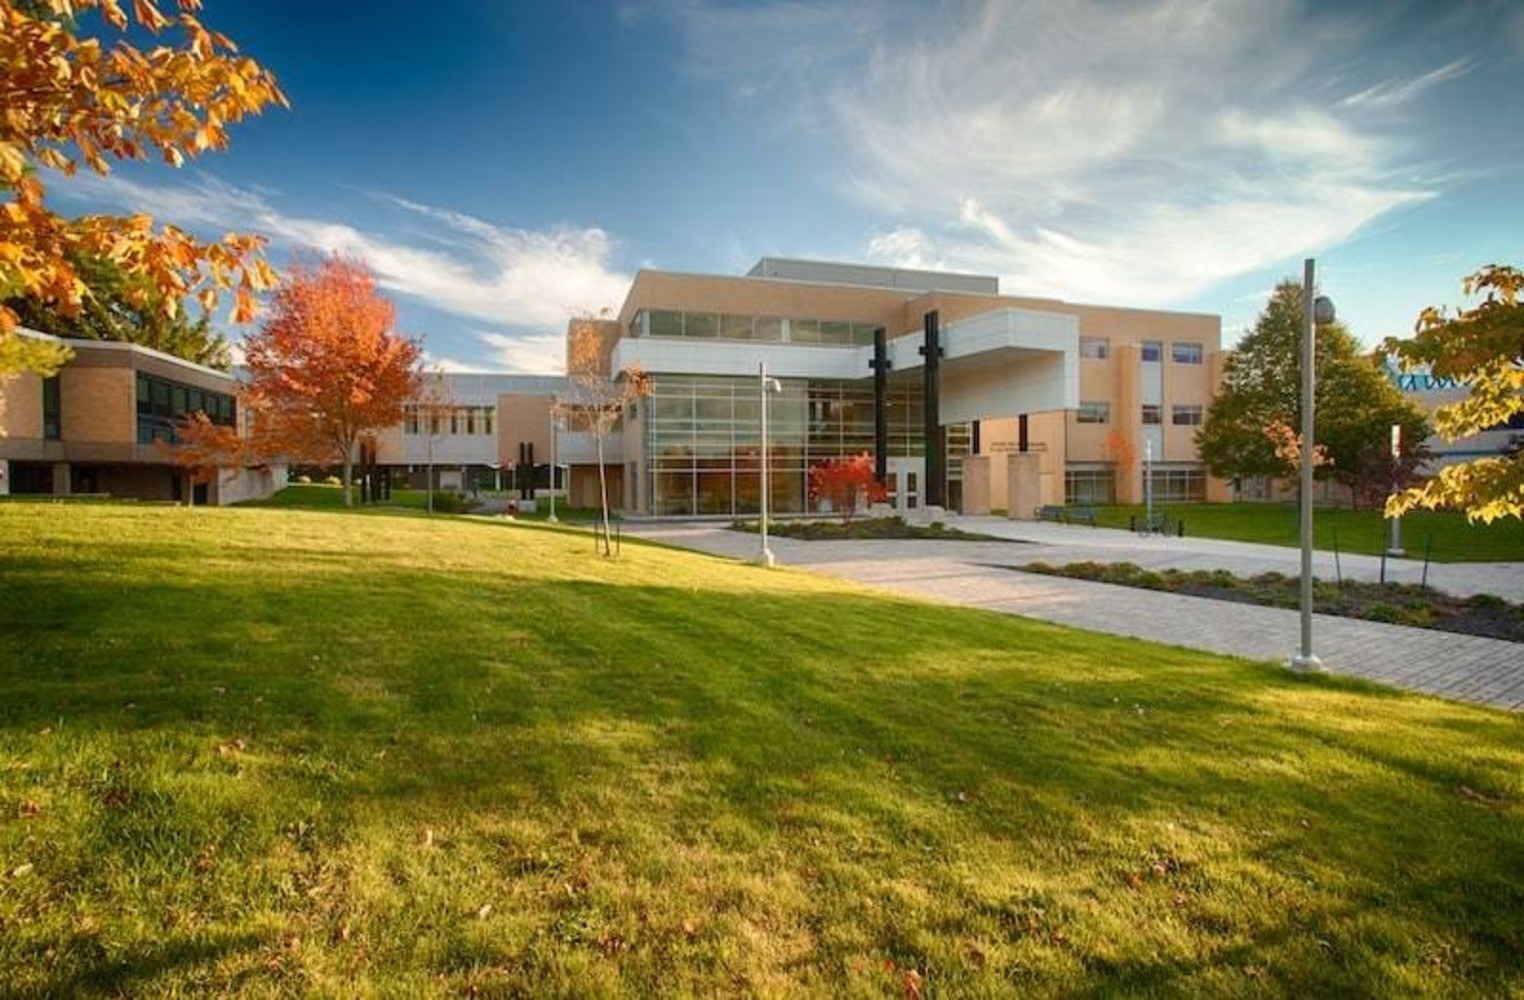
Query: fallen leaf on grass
[(20, 870), (913, 982), (484, 911), (28, 809), (232, 747)]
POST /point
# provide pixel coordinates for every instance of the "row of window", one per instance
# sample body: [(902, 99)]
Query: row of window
[(1180, 352), (766, 329), (1181, 414), (1099, 486), (454, 420), (162, 405)]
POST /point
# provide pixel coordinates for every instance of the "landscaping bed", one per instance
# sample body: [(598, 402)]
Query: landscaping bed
[(1394, 603), (866, 528)]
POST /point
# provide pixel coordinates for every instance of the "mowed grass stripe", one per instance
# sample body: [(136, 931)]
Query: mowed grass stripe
[(256, 751)]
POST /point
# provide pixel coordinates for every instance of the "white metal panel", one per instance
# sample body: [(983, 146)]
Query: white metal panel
[(702, 357)]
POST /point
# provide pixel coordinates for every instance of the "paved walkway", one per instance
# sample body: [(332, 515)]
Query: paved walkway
[(1468, 668)]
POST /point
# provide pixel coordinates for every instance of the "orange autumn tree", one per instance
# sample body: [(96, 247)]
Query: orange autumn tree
[(328, 366), (202, 449), (71, 98)]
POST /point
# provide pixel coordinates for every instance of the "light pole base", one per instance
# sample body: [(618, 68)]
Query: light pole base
[(553, 519), (1309, 664), (1396, 553), (765, 559)]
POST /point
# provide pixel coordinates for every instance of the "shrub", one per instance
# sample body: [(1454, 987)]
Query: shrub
[(1382, 612), (453, 503), (332, 481), (304, 480)]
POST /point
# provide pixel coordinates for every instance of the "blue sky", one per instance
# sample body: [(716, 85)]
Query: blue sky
[(501, 165)]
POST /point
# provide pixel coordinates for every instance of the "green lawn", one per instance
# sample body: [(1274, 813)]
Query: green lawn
[(258, 751), (1364, 531)]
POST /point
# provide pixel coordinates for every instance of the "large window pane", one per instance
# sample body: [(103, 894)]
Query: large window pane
[(706, 325), (665, 323), (735, 327)]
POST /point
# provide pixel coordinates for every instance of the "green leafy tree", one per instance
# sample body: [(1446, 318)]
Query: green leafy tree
[(123, 307), (1356, 405), (1483, 348)]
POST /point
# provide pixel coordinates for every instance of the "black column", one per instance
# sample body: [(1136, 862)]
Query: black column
[(934, 488), (881, 405), (973, 438), (1022, 441)]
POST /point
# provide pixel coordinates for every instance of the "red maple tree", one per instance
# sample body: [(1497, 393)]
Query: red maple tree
[(843, 481), (328, 365)]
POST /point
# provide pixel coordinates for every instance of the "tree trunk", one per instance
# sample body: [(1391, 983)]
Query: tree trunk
[(349, 468), (603, 494)]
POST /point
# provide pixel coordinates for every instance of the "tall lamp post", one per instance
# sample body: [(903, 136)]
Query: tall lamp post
[(1394, 549), (767, 385), (1316, 311), (554, 426)]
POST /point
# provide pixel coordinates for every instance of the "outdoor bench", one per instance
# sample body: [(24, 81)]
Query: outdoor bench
[(1077, 514), (1049, 512)]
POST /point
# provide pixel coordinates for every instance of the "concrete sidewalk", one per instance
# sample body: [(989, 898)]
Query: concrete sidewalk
[(976, 574)]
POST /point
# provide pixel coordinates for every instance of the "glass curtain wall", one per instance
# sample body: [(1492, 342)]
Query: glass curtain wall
[(703, 439)]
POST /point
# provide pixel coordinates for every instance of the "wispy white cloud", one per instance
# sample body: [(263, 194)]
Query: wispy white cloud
[(1138, 152), (1397, 91), (525, 353), (524, 283)]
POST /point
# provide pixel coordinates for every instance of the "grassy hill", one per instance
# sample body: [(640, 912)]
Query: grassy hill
[(282, 751)]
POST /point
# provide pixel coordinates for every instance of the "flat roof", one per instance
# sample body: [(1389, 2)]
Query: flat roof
[(871, 276)]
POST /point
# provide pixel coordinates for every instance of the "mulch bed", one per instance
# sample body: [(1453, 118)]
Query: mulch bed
[(1399, 604)]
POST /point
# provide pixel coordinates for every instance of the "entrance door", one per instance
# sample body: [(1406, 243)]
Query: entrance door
[(906, 476)]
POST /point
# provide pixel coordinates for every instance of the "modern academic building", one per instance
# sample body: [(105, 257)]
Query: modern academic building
[(102, 424), (969, 400)]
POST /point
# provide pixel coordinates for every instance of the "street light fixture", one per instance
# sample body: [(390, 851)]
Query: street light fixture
[(767, 385), (1316, 311)]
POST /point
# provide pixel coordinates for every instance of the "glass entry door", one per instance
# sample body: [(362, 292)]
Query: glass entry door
[(905, 478)]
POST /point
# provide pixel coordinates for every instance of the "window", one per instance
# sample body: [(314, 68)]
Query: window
[(161, 405), (1186, 415), (662, 323), (1093, 413), (489, 417), (1095, 348), (52, 410), (1185, 354), (706, 325), (1178, 485), (1153, 350), (1090, 486), (735, 327), (410, 420), (804, 331), (1153, 413)]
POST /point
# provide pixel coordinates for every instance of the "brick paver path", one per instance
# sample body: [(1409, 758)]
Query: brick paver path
[(1468, 668)]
